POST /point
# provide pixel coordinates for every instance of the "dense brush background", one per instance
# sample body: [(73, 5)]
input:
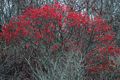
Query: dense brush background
[(39, 64)]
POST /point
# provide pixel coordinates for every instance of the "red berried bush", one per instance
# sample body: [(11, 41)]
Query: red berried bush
[(58, 28)]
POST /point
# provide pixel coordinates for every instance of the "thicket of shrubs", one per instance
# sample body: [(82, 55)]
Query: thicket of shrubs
[(54, 42)]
